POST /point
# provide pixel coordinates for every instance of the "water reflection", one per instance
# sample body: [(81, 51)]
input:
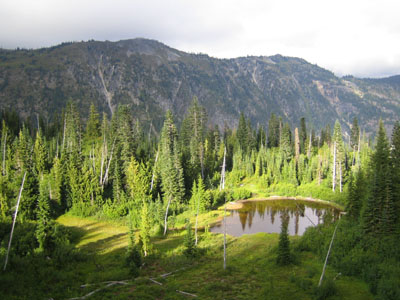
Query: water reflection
[(266, 216)]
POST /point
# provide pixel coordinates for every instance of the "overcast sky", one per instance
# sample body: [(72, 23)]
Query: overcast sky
[(357, 37)]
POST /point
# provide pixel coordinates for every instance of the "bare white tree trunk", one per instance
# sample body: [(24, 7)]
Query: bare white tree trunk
[(327, 255), (334, 167), (340, 177), (4, 153), (65, 128), (152, 177), (103, 154), (309, 147), (105, 179), (15, 219), (221, 188), (166, 216), (222, 183), (197, 216)]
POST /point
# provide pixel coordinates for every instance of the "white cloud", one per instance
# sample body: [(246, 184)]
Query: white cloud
[(349, 37)]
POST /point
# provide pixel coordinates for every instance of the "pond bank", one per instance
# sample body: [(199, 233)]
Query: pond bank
[(239, 203)]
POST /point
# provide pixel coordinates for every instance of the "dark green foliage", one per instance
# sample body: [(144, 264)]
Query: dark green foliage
[(273, 131), (355, 134), (133, 259), (242, 133), (189, 241), (93, 124), (303, 136), (43, 215), (327, 289), (379, 214), (284, 256), (286, 142), (395, 164), (356, 194)]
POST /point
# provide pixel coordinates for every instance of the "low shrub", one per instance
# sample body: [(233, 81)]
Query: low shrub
[(241, 193)]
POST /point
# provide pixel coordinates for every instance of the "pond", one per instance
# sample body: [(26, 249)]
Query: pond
[(267, 216)]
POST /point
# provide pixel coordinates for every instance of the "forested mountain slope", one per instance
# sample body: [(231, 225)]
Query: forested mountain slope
[(152, 77)]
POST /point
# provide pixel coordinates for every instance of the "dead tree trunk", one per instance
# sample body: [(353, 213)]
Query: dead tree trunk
[(152, 177), (15, 219), (166, 216), (334, 167), (221, 188)]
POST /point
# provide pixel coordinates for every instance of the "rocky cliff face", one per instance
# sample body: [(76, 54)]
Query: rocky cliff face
[(152, 77)]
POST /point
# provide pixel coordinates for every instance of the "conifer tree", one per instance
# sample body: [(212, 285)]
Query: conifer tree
[(39, 155), (56, 182), (170, 167), (355, 194), (133, 258), (378, 217), (43, 214), (303, 136), (242, 133), (189, 241), (199, 201), (395, 164), (286, 142), (93, 124), (284, 244), (273, 131), (354, 135), (261, 137), (197, 119), (145, 227)]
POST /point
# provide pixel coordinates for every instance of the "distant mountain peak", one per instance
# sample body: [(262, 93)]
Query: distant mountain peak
[(152, 77)]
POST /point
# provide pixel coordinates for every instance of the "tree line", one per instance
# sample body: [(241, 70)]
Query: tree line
[(112, 168)]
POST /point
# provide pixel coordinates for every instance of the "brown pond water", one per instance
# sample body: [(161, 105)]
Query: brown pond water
[(266, 216)]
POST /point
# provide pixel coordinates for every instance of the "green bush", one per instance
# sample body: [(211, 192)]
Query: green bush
[(282, 189), (241, 193), (327, 289), (316, 191)]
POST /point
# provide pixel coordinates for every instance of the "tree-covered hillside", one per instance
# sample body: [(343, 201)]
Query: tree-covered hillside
[(151, 78), (112, 169)]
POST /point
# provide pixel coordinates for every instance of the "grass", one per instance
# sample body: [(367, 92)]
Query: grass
[(99, 256), (251, 273)]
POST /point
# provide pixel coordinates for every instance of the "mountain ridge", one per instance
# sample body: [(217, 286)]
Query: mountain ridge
[(152, 77)]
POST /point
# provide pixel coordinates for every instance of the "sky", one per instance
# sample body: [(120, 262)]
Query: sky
[(348, 37)]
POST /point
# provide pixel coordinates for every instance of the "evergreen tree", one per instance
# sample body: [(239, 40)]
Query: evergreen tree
[(354, 135), (189, 241), (56, 183), (356, 192), (133, 258), (303, 136), (261, 137), (286, 142), (43, 214), (242, 133), (197, 121), (93, 124), (284, 244), (273, 131), (395, 164), (378, 217), (39, 155), (199, 201), (145, 227), (170, 166)]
